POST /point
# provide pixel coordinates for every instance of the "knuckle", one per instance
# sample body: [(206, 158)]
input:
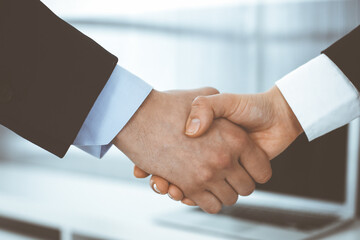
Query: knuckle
[(200, 101), (223, 161), (241, 140), (206, 175)]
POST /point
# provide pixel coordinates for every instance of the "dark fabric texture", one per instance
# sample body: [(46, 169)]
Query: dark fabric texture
[(50, 75), (345, 53)]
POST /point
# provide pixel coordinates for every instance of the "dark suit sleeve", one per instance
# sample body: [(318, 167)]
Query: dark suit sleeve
[(50, 74), (345, 53)]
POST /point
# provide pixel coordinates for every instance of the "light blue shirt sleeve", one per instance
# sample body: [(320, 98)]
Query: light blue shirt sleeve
[(122, 95)]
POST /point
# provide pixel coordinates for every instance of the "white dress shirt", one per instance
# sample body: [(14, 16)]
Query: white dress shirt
[(321, 96)]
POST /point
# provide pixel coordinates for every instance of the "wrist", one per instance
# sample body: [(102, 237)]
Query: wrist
[(134, 129), (284, 113)]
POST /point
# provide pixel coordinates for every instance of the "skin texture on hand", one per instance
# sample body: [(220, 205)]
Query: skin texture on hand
[(206, 168), (267, 118)]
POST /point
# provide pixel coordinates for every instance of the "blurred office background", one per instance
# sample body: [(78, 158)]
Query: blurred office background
[(240, 46)]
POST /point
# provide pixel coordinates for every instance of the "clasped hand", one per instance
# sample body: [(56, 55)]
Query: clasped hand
[(205, 148)]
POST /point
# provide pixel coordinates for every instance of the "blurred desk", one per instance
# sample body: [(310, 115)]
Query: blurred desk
[(86, 207), (351, 232)]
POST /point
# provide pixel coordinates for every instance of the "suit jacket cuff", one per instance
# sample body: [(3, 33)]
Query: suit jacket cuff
[(345, 53), (122, 95)]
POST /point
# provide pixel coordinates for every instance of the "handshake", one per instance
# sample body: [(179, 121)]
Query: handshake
[(206, 148)]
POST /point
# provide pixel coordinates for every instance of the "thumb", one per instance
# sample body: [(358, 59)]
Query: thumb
[(205, 109)]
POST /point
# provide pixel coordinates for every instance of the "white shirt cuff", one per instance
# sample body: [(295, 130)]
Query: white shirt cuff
[(122, 95), (321, 96)]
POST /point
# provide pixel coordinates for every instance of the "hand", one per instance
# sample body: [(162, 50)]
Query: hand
[(267, 118), (206, 168)]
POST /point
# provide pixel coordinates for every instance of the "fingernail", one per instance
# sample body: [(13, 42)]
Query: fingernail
[(170, 196), (156, 189), (193, 126)]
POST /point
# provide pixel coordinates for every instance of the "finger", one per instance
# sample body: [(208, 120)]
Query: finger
[(205, 91), (188, 202), (159, 185), (240, 181), (175, 193), (256, 163), (207, 202), (139, 173), (205, 109), (250, 156), (224, 192)]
